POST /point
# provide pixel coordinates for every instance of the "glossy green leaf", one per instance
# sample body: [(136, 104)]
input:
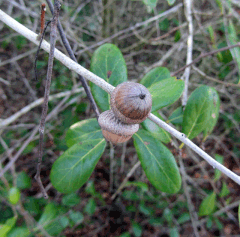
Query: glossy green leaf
[(171, 2), (218, 173), (208, 205), (155, 75), (166, 92), (7, 226), (84, 130), (108, 63), (199, 112), (155, 130), (14, 195), (19, 232), (177, 116), (74, 167), (214, 108), (157, 162), (23, 180), (225, 191)]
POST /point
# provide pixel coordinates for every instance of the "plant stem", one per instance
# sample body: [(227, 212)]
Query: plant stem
[(53, 37)]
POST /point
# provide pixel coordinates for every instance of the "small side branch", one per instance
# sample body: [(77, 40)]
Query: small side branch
[(188, 13), (204, 55), (53, 36)]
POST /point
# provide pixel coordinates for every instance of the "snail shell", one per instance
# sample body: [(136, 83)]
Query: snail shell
[(114, 130), (131, 102)]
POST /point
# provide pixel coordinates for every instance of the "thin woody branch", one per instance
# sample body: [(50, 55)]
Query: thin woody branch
[(53, 37), (204, 55)]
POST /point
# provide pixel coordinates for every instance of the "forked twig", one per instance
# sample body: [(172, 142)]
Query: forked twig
[(53, 36)]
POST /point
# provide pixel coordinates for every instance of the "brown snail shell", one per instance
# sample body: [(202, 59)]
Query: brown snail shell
[(131, 102), (114, 130)]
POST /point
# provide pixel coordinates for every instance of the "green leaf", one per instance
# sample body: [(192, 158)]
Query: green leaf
[(151, 4), (76, 217), (137, 229), (5, 228), (208, 205), (155, 130), (171, 2), (108, 63), (177, 116), (166, 92), (141, 185), (49, 214), (74, 167), (167, 214), (130, 195), (217, 173), (233, 38), (174, 232), (145, 209), (157, 162), (214, 108), (23, 180), (183, 218), (90, 207), (19, 231), (199, 112), (14, 195), (155, 75), (57, 226), (225, 191), (71, 199), (88, 129)]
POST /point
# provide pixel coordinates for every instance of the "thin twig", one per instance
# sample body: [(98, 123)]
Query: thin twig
[(39, 47), (125, 180), (188, 13), (42, 20), (5, 122), (109, 88), (53, 37), (214, 79), (72, 56), (192, 211), (203, 55)]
